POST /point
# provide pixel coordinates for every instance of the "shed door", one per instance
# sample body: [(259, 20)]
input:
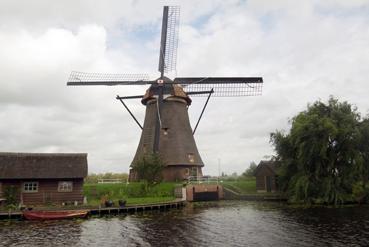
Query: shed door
[(268, 183)]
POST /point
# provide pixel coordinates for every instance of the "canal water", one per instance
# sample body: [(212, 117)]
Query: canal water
[(224, 223)]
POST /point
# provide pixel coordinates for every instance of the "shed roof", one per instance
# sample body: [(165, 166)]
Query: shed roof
[(268, 164), (42, 165)]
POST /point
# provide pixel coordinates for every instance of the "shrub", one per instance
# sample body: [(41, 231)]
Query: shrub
[(11, 195)]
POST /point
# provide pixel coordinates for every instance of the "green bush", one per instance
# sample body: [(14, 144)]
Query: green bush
[(149, 169), (11, 194)]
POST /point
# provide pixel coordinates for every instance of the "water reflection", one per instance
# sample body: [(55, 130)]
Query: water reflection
[(40, 233), (228, 223)]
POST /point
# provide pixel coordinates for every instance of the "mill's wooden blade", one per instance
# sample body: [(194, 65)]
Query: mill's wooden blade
[(163, 40)]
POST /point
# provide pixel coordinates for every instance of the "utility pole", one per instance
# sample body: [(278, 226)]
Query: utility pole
[(218, 169)]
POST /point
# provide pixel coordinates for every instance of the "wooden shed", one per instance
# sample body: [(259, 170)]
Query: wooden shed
[(266, 177), (44, 178)]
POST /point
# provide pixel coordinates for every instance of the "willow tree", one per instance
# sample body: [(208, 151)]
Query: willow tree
[(363, 159), (324, 154)]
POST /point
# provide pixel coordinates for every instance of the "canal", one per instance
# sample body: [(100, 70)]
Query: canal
[(224, 223)]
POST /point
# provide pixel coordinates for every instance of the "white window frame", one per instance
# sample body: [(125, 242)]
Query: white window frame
[(65, 186), (30, 184), (191, 157)]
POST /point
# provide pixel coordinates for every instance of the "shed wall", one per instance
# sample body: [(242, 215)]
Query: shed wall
[(261, 179), (261, 183), (47, 191)]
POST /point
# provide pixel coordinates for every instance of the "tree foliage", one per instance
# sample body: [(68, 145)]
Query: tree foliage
[(11, 194), (324, 157), (149, 168), (250, 172)]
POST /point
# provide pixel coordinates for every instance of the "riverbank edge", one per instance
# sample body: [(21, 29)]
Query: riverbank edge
[(230, 194), (276, 197), (100, 211)]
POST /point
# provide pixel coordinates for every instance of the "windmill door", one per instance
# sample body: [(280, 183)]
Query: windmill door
[(268, 183)]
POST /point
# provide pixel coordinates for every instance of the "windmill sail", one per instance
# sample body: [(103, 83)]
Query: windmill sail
[(166, 129), (169, 39), (222, 86), (92, 79)]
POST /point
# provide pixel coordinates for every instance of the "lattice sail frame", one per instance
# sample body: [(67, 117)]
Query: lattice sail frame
[(223, 86), (227, 90), (83, 78), (171, 46)]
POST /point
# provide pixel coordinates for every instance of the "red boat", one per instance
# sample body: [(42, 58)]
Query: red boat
[(54, 215)]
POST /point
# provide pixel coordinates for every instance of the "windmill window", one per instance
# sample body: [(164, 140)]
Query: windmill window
[(194, 171), (65, 186), (187, 171), (191, 158), (30, 187)]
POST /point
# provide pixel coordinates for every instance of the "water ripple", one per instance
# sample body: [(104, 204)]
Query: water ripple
[(227, 223)]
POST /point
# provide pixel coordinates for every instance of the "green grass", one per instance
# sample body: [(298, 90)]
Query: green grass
[(133, 193), (247, 186)]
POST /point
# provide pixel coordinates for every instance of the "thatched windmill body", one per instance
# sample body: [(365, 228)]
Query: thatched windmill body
[(166, 129)]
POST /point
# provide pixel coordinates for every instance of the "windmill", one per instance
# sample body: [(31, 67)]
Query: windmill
[(166, 129)]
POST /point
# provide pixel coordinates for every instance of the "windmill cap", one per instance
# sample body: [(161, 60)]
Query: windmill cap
[(173, 90)]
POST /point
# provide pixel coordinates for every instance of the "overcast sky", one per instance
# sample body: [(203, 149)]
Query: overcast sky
[(304, 50)]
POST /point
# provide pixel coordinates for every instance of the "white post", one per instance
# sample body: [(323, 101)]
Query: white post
[(184, 193)]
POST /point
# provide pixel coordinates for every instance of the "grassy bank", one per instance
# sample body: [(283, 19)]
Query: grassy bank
[(133, 193), (244, 186)]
